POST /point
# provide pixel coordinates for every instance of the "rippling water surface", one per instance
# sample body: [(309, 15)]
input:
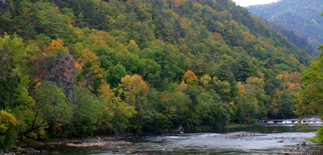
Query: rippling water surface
[(268, 140)]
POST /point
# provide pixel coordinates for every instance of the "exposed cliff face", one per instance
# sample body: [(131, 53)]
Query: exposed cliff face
[(4, 5), (59, 69), (62, 72)]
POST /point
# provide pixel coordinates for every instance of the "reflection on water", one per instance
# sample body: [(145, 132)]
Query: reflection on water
[(268, 140)]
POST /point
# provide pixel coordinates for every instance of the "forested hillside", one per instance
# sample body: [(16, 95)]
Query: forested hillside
[(72, 68), (301, 16), (298, 40)]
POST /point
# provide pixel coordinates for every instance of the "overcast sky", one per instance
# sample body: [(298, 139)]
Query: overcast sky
[(253, 2)]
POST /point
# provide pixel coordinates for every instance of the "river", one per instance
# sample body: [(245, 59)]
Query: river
[(244, 140)]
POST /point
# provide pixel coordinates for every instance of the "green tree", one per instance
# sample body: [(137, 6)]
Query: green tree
[(246, 106), (213, 111), (51, 107), (48, 20), (14, 81), (89, 109), (243, 68), (311, 98), (310, 101), (115, 74)]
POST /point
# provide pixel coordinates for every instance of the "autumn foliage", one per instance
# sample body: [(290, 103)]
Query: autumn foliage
[(190, 77), (79, 68)]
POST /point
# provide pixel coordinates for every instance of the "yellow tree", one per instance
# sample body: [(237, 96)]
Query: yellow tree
[(190, 77), (222, 87), (181, 87), (117, 113), (105, 91), (135, 87), (255, 87), (205, 80), (136, 91)]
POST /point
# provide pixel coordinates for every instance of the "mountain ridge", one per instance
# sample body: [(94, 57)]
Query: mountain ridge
[(303, 17), (298, 40)]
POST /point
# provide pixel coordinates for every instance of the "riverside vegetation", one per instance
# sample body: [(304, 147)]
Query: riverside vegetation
[(76, 68)]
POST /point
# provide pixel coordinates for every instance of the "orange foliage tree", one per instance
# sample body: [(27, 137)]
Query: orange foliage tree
[(190, 77), (91, 69), (55, 47)]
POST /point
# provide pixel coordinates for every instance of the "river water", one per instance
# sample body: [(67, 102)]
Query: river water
[(244, 140)]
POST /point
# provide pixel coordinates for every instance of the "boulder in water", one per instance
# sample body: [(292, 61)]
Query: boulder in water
[(180, 129), (301, 144), (55, 152)]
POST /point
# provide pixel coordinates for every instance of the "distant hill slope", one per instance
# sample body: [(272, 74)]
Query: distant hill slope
[(301, 16), (298, 40)]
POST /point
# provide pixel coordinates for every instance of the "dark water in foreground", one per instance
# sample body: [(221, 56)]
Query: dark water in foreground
[(215, 143)]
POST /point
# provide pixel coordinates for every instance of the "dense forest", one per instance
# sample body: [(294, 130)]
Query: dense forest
[(81, 68), (303, 17)]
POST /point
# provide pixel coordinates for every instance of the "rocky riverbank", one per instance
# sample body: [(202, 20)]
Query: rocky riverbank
[(247, 139), (34, 147)]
